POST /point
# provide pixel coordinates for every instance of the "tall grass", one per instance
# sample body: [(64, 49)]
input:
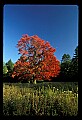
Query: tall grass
[(40, 101)]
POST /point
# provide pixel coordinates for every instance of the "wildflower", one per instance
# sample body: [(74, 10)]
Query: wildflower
[(53, 87), (70, 91)]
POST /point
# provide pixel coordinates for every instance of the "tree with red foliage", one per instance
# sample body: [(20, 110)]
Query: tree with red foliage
[(37, 61)]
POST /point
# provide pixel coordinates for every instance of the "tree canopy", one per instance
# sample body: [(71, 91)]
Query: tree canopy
[(37, 61)]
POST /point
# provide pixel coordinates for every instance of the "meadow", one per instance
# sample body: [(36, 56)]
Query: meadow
[(42, 99)]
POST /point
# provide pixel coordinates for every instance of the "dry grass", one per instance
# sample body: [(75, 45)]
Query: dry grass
[(41, 101)]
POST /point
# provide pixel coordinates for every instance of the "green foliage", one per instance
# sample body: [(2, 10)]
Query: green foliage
[(21, 99), (66, 58), (10, 66), (65, 65), (69, 67), (5, 70), (74, 63)]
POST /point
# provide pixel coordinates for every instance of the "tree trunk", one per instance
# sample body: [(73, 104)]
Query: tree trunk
[(34, 82), (28, 81)]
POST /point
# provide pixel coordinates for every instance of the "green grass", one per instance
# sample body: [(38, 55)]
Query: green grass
[(56, 99)]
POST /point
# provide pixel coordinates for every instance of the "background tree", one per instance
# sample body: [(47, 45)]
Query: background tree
[(69, 67), (65, 66), (74, 64), (37, 61), (5, 70), (66, 58), (10, 66)]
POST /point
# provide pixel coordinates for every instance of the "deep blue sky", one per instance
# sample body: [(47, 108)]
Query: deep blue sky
[(57, 24)]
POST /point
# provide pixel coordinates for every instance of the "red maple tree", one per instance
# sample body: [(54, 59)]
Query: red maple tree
[(37, 61)]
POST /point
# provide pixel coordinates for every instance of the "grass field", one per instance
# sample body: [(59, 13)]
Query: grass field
[(46, 98)]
